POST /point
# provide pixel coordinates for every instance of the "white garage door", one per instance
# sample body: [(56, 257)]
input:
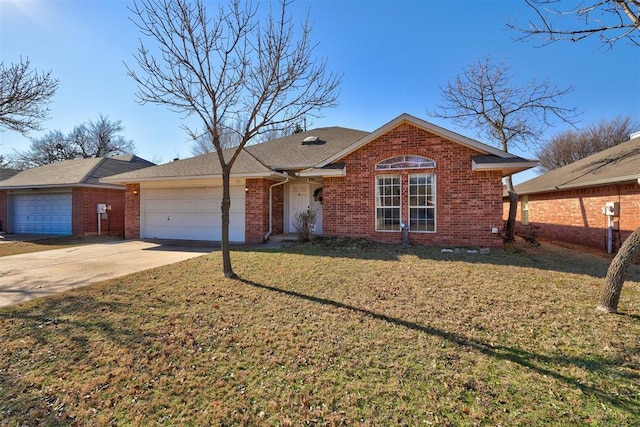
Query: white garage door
[(42, 213), (192, 213)]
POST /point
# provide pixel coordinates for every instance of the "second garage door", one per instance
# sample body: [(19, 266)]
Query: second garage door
[(191, 213), (42, 213)]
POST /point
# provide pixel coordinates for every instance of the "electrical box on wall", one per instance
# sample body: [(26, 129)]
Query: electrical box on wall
[(611, 209), (101, 208)]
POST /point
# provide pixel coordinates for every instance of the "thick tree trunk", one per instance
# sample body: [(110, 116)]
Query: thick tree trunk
[(509, 231), (617, 273), (226, 205)]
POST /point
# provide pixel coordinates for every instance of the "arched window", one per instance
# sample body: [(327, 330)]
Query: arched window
[(406, 162)]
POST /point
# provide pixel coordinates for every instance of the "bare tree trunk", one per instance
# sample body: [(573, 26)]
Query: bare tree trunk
[(227, 269), (509, 232), (617, 273)]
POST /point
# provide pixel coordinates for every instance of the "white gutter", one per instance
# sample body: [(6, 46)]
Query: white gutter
[(266, 236)]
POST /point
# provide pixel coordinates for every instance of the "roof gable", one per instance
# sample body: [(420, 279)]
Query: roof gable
[(421, 124), (619, 163)]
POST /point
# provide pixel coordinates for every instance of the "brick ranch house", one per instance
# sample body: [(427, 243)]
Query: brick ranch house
[(567, 204), (445, 187), (61, 198)]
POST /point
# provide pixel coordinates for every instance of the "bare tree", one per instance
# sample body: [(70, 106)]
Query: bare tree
[(100, 138), (572, 145), (229, 65), (24, 93), (617, 273), (91, 139), (609, 20), (486, 98)]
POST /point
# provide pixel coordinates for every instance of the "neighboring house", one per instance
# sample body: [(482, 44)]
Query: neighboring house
[(445, 187), (7, 173), (62, 198), (567, 204)]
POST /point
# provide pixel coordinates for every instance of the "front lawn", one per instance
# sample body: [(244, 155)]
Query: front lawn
[(331, 334)]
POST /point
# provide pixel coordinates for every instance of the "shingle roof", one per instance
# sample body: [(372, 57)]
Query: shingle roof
[(206, 165), (7, 173), (311, 151), (619, 163), (79, 172), (291, 153)]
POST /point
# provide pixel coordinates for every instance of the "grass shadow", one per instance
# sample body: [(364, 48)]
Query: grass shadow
[(539, 363)]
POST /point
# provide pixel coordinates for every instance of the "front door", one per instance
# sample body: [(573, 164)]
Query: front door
[(299, 200)]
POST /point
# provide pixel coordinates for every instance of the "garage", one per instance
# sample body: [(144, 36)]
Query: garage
[(191, 213), (42, 213)]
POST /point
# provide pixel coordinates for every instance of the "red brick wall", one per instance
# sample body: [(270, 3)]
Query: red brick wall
[(3, 210), (575, 216), (257, 209), (84, 215), (469, 204), (132, 212)]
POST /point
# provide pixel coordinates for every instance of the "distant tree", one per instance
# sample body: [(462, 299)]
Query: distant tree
[(572, 145), (24, 93), (91, 139), (101, 138), (4, 162), (227, 66), (609, 20), (486, 98)]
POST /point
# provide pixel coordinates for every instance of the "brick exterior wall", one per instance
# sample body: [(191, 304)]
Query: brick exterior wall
[(257, 209), (468, 204), (132, 212), (575, 216), (84, 220), (3, 210)]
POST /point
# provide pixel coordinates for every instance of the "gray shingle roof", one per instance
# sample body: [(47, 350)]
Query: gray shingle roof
[(206, 165), (291, 153), (617, 164), (77, 172), (7, 173)]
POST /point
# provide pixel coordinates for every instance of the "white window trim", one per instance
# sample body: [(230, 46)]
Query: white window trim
[(381, 207), (435, 207)]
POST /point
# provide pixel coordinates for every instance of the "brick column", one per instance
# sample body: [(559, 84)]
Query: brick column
[(132, 212)]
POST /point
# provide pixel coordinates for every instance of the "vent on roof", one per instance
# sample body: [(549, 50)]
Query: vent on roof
[(312, 140)]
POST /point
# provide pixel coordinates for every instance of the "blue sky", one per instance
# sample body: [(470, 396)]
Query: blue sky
[(395, 56)]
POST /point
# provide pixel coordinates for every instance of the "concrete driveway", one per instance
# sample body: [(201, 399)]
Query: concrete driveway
[(27, 276)]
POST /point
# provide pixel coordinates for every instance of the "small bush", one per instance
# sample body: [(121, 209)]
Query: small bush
[(305, 223)]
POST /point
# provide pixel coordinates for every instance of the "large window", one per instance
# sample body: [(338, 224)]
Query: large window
[(388, 196), (422, 202)]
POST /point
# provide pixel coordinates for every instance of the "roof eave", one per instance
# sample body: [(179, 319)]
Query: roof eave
[(270, 174), (321, 173), (48, 186), (595, 183), (505, 168)]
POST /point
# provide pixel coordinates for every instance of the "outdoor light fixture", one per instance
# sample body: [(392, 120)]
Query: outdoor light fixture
[(246, 189), (135, 192)]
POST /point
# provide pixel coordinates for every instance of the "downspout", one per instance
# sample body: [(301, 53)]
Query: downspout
[(266, 236)]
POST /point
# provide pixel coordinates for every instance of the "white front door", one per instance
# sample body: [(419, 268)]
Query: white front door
[(299, 200)]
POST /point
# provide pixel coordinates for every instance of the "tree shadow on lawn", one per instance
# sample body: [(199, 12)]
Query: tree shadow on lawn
[(50, 321), (536, 362), (548, 256)]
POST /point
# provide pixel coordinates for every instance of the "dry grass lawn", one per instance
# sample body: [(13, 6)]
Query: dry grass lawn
[(47, 244), (331, 333)]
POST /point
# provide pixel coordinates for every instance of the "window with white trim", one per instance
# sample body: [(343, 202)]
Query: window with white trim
[(422, 202), (388, 202)]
